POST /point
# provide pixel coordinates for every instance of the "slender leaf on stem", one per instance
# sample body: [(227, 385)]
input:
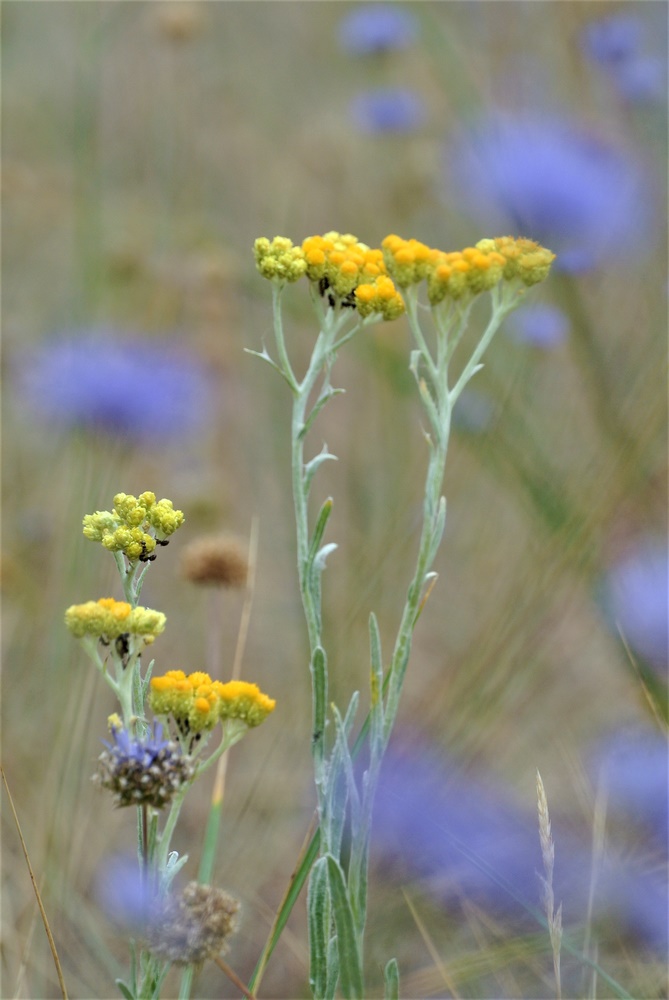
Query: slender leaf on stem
[(325, 396), (124, 990), (391, 975), (319, 529), (338, 780), (333, 969), (350, 969), (319, 915), (319, 679), (376, 688), (314, 464)]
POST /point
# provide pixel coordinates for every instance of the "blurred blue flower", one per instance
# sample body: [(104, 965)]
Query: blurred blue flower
[(377, 27), (617, 44), (539, 325), (388, 109), (633, 766), (613, 39), (123, 894), (101, 380), (636, 600), (547, 180), (464, 839)]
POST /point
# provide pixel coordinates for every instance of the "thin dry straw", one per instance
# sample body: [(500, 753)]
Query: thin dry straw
[(553, 917), (52, 944)]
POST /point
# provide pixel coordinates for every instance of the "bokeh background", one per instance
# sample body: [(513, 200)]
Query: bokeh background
[(145, 147)]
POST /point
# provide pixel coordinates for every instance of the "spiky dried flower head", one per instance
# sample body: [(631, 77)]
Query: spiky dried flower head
[(135, 526), (194, 925), (107, 619), (144, 771), (216, 561), (180, 20), (197, 704)]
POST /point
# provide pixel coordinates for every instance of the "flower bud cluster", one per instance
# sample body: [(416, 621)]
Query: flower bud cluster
[(278, 259), (465, 272), (197, 703), (147, 771), (135, 526), (107, 619)]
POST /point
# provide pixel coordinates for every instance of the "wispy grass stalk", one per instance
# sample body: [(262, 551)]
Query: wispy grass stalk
[(553, 916)]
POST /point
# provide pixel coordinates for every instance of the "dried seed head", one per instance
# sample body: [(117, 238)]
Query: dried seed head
[(193, 925), (216, 561)]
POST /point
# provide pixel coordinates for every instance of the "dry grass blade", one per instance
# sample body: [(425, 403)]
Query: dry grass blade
[(52, 944), (553, 916)]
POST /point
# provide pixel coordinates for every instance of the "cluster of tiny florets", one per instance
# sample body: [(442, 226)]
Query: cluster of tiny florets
[(339, 265), (465, 272), (194, 925), (197, 703), (278, 259), (107, 619), (147, 771), (135, 526)]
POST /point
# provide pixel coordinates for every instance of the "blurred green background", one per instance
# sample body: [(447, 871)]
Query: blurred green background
[(145, 147)]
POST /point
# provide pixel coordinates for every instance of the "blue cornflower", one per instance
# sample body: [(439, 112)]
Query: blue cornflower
[(124, 895), (636, 601), (126, 386), (388, 109), (547, 180), (464, 839), (633, 766), (143, 771), (613, 39), (539, 325), (617, 44), (377, 27)]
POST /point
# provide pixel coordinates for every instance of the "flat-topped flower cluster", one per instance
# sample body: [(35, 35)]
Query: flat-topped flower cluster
[(107, 619), (353, 275), (197, 703)]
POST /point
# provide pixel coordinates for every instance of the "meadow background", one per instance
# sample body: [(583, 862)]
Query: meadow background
[(145, 147)]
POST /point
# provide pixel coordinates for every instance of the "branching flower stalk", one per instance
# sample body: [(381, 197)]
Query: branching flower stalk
[(142, 768), (348, 277)]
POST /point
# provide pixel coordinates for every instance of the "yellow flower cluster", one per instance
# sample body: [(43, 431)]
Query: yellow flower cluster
[(465, 272), (343, 268), (135, 525), (279, 259), (108, 619), (197, 703)]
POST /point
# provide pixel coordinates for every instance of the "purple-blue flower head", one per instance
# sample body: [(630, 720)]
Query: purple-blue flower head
[(633, 766), (143, 771), (128, 386), (618, 44), (123, 895), (550, 181), (636, 601), (388, 109), (613, 39), (539, 325), (377, 27), (464, 839)]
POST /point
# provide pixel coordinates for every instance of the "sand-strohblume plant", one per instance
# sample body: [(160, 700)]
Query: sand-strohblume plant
[(352, 286), (171, 728)]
